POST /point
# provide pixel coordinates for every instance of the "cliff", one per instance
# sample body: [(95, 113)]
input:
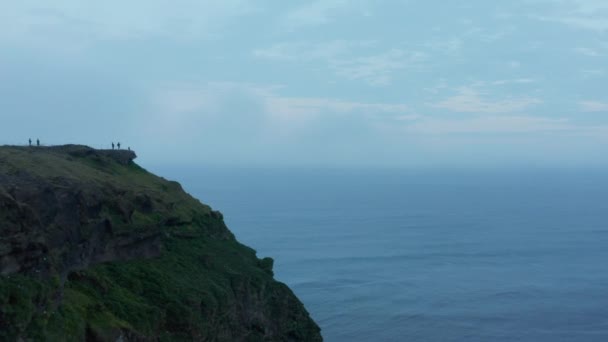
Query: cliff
[(93, 247)]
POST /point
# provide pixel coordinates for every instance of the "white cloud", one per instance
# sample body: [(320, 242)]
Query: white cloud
[(594, 106), (514, 64), (440, 86), (595, 24), (320, 12), (593, 73), (257, 113), (469, 100), (490, 124), (70, 20), (315, 13), (375, 69), (581, 14), (456, 43), (307, 52), (298, 106), (181, 103), (449, 46), (589, 7), (178, 100), (589, 52), (408, 117), (514, 81)]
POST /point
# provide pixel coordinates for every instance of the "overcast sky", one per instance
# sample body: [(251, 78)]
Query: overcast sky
[(319, 83)]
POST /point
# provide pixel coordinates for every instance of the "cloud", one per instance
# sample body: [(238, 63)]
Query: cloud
[(305, 106), (375, 68), (408, 117), (63, 103), (319, 12), (588, 52), (594, 24), (594, 106), (457, 42), (254, 123), (580, 14), (469, 100), (180, 104), (448, 46), (593, 73), (514, 81), (490, 124), (309, 52), (514, 64), (73, 20), (588, 7)]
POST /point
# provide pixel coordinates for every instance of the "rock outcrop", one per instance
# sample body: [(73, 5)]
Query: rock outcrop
[(93, 247)]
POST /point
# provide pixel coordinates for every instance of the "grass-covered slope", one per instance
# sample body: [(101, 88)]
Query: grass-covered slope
[(93, 247)]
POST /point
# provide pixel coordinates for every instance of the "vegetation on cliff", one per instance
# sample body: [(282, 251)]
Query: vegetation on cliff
[(93, 247)]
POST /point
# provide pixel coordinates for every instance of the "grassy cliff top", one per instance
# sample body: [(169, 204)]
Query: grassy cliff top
[(84, 166)]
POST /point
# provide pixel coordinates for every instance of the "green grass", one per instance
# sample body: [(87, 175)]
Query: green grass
[(189, 291)]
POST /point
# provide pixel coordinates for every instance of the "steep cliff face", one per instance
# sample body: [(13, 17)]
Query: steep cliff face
[(93, 247)]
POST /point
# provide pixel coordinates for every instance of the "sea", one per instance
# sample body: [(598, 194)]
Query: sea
[(445, 255)]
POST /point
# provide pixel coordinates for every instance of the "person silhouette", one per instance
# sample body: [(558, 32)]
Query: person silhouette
[(129, 148), (38, 142), (112, 145), (30, 141), (118, 145)]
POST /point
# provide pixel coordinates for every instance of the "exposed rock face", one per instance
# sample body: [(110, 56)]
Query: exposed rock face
[(90, 241), (41, 215)]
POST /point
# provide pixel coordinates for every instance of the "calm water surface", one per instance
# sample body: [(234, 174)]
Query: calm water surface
[(427, 255)]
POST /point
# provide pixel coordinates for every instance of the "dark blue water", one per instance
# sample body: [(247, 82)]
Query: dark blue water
[(428, 255)]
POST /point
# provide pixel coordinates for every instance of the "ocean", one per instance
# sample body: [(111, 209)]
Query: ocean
[(427, 255)]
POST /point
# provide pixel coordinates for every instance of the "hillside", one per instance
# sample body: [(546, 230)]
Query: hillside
[(93, 247)]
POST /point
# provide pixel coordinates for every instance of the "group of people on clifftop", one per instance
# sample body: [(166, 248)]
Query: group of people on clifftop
[(118, 146), (114, 146)]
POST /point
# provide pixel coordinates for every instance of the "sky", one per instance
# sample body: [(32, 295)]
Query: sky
[(323, 83)]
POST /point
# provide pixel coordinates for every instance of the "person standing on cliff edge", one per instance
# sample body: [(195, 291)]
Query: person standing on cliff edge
[(118, 145), (30, 142), (38, 142), (112, 145)]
